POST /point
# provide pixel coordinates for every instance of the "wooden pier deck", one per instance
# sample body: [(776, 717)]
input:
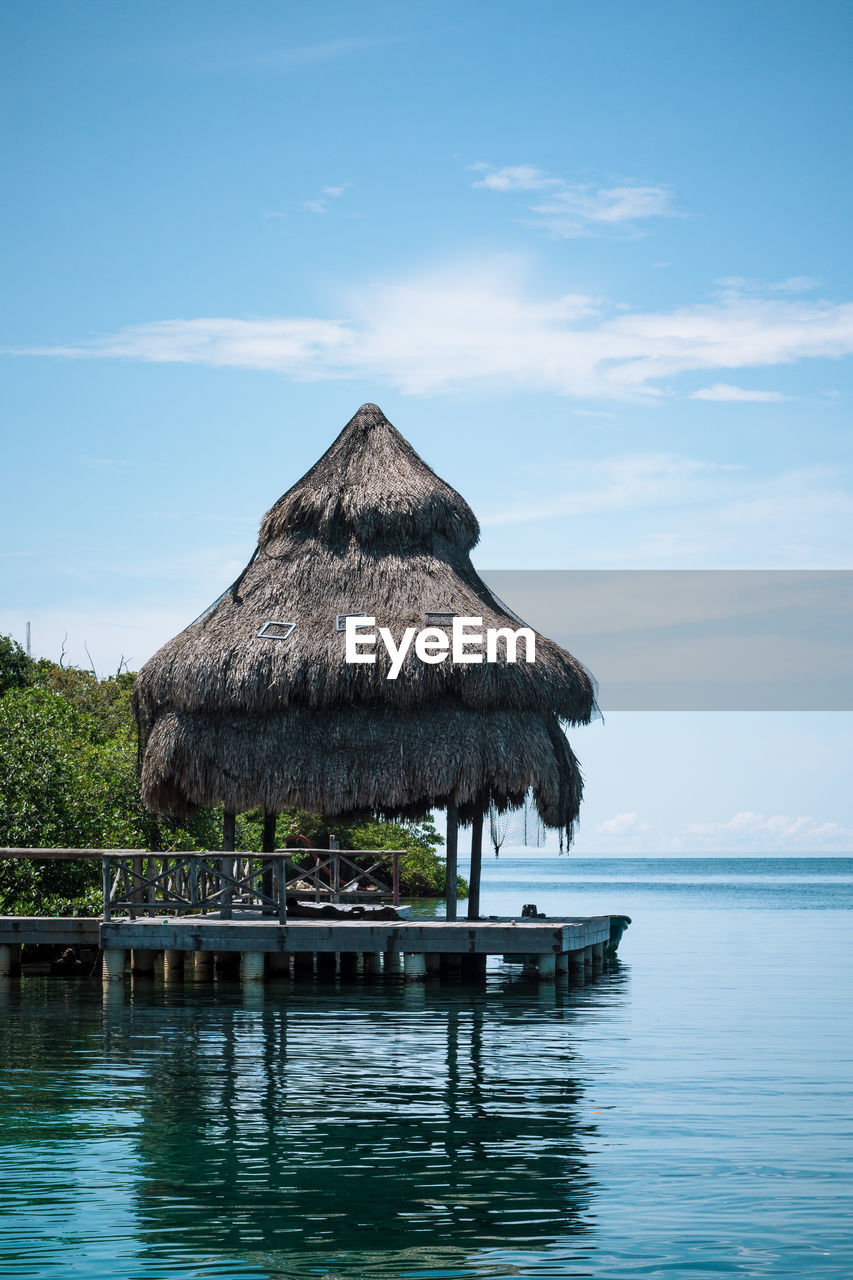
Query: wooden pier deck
[(205, 911), (552, 948)]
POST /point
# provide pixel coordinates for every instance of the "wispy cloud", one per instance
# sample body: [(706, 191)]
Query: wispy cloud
[(519, 177), (479, 324), (663, 510), (725, 391), (569, 210), (215, 60), (321, 203), (585, 210), (623, 824), (115, 465), (742, 285), (749, 830), (744, 833)]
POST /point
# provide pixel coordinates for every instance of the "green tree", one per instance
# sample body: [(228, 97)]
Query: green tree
[(68, 778), (16, 667)]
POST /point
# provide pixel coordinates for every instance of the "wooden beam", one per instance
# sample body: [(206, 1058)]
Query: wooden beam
[(476, 866), (459, 937), (450, 873), (268, 845), (67, 931)]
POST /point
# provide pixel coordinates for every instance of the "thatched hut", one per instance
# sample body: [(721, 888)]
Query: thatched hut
[(254, 705)]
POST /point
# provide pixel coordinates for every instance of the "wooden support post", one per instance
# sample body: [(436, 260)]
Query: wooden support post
[(202, 966), (142, 964), (577, 968), (562, 965), (450, 874), (349, 964), (587, 962), (279, 964), (268, 846), (415, 967), (395, 878), (371, 963), (252, 967), (598, 957), (113, 966), (392, 962), (173, 966), (229, 836), (547, 968), (5, 961), (476, 866)]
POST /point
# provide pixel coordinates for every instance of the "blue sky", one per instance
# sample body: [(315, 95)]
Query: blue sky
[(591, 258)]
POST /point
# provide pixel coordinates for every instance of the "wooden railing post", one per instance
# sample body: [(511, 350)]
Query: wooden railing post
[(227, 863), (107, 887)]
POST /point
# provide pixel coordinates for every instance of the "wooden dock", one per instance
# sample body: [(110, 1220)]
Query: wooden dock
[(262, 947), (188, 915)]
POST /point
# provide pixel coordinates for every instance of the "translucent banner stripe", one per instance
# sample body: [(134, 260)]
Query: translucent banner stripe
[(697, 640)]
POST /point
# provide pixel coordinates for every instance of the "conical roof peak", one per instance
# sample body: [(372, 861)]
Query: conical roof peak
[(373, 486)]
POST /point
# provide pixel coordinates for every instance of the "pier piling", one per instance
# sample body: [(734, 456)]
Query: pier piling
[(113, 966), (253, 967)]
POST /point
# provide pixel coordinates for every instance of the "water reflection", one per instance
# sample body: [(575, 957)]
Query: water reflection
[(361, 1136), (359, 1132)]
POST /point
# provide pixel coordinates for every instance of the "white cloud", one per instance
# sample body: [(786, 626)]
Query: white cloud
[(793, 284), (278, 59), (744, 834), (724, 391), (623, 824), (480, 324), (777, 832), (519, 177), (108, 464), (579, 209), (321, 203), (586, 210)]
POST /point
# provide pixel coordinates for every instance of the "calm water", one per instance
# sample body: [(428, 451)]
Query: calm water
[(688, 1115)]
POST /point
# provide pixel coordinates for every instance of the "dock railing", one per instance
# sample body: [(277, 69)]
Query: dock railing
[(137, 882)]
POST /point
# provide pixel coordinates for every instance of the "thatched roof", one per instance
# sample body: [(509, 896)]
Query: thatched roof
[(253, 721)]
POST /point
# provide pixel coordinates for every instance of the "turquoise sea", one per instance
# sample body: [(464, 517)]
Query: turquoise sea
[(688, 1115)]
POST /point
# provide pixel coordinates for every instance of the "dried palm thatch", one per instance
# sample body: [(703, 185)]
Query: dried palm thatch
[(228, 715)]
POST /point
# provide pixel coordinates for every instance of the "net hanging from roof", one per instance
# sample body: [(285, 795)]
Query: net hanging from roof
[(517, 827)]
